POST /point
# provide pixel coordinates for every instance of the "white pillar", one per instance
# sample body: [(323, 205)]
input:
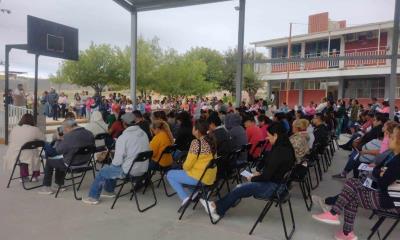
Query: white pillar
[(387, 86), (341, 88), (239, 67), (133, 56), (342, 51)]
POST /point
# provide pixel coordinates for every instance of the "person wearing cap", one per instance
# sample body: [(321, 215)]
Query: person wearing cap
[(69, 140), (132, 142)]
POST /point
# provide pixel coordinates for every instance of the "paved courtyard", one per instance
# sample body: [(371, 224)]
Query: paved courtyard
[(28, 215)]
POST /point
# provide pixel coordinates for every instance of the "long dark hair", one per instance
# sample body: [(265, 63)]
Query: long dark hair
[(184, 118), (280, 130), (202, 126), (27, 119)]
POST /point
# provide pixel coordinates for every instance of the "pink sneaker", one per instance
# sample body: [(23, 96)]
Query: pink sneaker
[(327, 217), (340, 236)]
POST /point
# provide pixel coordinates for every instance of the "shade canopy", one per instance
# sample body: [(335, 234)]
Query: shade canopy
[(148, 5)]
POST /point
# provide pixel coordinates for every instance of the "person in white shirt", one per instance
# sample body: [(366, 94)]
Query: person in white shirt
[(19, 96)]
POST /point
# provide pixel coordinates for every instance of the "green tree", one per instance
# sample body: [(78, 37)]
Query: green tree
[(213, 59), (96, 68), (58, 79), (251, 82)]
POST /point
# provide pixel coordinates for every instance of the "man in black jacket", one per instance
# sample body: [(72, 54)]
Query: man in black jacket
[(223, 141)]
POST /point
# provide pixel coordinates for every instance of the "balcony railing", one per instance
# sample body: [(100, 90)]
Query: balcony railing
[(330, 64)]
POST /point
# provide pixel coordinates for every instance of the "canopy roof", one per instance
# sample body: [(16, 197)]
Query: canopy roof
[(148, 5)]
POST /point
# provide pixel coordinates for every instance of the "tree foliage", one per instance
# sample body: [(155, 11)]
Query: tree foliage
[(197, 72)]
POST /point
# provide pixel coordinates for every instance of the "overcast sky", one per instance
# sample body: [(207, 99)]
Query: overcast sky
[(212, 25)]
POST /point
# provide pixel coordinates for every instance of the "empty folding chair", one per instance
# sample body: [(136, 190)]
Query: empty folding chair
[(80, 163), (142, 157), (300, 175), (280, 197), (103, 138), (382, 217), (27, 146)]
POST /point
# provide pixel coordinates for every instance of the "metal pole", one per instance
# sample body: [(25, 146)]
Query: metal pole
[(239, 67), (379, 44), (329, 48), (6, 87), (395, 47), (287, 64), (133, 56), (35, 91)]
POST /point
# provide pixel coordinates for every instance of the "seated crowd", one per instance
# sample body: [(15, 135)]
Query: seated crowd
[(268, 147)]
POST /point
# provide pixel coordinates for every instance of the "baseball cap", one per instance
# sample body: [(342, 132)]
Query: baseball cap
[(128, 118)]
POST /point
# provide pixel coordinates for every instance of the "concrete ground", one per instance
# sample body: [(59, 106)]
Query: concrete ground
[(28, 215)]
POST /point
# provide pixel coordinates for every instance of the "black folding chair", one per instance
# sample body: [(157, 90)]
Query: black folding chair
[(382, 217), (142, 157), (254, 161), (313, 162), (38, 144), (163, 170), (204, 191), (300, 175), (279, 198), (77, 166)]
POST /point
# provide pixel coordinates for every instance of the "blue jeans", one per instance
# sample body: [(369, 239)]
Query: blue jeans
[(50, 150), (339, 126), (177, 178), (350, 162), (256, 189), (107, 178)]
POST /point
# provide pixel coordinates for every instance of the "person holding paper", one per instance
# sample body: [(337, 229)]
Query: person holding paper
[(355, 194), (261, 184)]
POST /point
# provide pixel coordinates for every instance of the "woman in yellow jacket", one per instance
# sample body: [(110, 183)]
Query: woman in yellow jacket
[(201, 152), (161, 140)]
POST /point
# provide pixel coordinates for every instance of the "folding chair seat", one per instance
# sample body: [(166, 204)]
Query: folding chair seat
[(279, 198), (382, 217), (203, 191), (163, 170), (142, 157), (77, 166), (27, 146)]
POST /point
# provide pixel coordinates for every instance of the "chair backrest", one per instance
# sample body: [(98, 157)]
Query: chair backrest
[(168, 150), (246, 147), (33, 145), (83, 155), (141, 157), (261, 144), (101, 136), (212, 164)]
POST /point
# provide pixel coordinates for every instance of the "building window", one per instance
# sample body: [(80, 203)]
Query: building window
[(313, 85), (365, 88), (294, 85), (281, 52)]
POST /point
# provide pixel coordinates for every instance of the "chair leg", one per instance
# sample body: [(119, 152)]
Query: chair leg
[(151, 205), (74, 186), (284, 222), (12, 174), (118, 194), (261, 216), (165, 186), (306, 194), (376, 226), (391, 229), (80, 182)]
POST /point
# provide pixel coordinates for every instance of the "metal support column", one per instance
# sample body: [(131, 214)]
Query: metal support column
[(133, 56), (395, 47), (35, 91), (341, 88), (301, 92), (6, 87), (239, 67)]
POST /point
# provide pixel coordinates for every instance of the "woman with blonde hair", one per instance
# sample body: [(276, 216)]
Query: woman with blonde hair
[(300, 139), (162, 138)]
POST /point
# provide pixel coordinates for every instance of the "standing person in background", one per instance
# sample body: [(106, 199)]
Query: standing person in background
[(374, 104), (53, 102), (62, 102), (83, 103), (340, 113), (19, 96), (355, 108), (89, 103), (44, 101)]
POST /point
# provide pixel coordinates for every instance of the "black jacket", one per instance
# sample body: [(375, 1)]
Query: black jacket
[(321, 135), (391, 174), (183, 138), (224, 148), (278, 162)]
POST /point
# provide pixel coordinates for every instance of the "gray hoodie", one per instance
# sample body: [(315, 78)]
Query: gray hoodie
[(132, 142), (239, 138)]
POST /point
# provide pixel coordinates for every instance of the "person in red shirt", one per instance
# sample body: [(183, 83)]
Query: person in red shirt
[(254, 135), (263, 124)]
